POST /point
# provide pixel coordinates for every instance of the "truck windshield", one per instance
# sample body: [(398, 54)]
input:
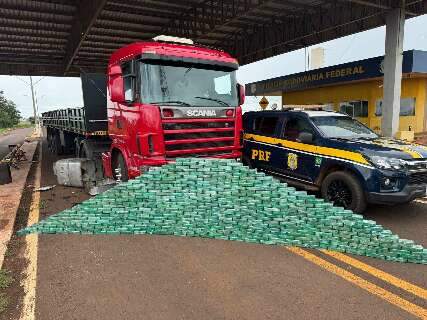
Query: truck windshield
[(194, 85), (343, 127)]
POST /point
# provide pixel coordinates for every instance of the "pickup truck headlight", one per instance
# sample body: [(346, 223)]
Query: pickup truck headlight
[(387, 163)]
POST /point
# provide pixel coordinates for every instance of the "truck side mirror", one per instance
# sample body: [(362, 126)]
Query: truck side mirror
[(117, 89), (241, 91), (305, 137)]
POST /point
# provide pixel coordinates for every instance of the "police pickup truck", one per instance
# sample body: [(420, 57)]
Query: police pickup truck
[(335, 154)]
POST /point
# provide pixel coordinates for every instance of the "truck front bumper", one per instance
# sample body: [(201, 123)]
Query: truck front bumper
[(408, 193)]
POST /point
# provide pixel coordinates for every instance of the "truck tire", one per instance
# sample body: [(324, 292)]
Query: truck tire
[(49, 142), (119, 162), (77, 148), (55, 144), (344, 190), (84, 151)]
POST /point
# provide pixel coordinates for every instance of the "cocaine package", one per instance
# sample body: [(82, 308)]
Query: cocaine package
[(222, 199)]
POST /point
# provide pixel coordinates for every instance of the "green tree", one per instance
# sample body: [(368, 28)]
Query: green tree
[(9, 115)]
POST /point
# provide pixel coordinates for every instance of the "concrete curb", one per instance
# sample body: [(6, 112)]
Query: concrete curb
[(10, 194)]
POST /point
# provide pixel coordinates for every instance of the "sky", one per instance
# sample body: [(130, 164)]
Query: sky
[(59, 92)]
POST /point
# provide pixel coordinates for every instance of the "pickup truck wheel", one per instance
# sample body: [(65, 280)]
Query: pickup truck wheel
[(344, 190), (119, 164)]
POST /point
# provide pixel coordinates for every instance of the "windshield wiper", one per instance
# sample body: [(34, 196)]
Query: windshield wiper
[(216, 100), (367, 138), (172, 102), (341, 138)]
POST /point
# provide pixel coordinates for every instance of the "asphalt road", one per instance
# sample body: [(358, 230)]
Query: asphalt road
[(13, 137), (163, 277)]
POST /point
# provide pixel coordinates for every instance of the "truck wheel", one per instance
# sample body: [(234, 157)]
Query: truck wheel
[(344, 190), (119, 164), (48, 143), (83, 152), (56, 146), (77, 148)]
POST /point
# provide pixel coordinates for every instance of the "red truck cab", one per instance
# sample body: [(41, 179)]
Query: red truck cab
[(168, 100)]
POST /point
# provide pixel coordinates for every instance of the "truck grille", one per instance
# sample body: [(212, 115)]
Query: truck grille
[(198, 137)]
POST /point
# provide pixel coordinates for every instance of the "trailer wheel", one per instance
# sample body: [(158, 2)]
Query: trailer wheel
[(83, 152), (119, 164), (344, 190), (56, 146), (77, 148)]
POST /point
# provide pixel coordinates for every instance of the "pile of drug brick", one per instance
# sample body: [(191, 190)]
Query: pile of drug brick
[(222, 199)]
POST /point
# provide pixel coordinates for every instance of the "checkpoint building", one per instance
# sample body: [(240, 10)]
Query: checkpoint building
[(356, 88)]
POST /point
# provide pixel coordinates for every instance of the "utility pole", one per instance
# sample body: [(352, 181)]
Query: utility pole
[(32, 84), (36, 119)]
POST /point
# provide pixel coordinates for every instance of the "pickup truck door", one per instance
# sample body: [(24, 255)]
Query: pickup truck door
[(296, 159), (263, 155)]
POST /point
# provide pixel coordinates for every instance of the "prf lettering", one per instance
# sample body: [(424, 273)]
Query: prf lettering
[(261, 155)]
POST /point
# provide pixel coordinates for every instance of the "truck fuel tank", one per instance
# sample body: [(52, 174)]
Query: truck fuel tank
[(81, 172), (69, 171)]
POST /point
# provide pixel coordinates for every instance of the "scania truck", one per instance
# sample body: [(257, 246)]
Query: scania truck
[(159, 100)]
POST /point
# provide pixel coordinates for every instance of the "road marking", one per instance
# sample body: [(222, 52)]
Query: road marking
[(397, 282), (362, 283), (30, 281)]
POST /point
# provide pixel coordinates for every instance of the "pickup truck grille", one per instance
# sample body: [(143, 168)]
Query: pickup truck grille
[(417, 171), (416, 165), (198, 137), (418, 178)]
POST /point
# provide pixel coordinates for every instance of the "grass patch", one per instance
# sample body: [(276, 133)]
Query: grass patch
[(22, 124), (43, 204), (4, 302), (5, 281)]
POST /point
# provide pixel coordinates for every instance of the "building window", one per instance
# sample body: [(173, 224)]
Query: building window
[(355, 108), (407, 107)]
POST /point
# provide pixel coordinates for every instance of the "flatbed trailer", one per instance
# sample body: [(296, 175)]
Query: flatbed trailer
[(67, 128)]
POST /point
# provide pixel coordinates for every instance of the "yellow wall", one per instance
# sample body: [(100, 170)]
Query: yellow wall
[(370, 91)]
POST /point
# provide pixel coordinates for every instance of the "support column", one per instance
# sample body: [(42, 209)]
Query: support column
[(395, 23)]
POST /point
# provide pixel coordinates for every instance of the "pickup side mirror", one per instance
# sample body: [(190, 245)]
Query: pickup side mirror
[(305, 137), (241, 92)]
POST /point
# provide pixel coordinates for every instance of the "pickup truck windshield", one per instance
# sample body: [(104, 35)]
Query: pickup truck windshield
[(191, 84), (342, 127)]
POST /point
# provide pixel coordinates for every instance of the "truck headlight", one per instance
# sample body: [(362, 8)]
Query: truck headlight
[(387, 163)]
